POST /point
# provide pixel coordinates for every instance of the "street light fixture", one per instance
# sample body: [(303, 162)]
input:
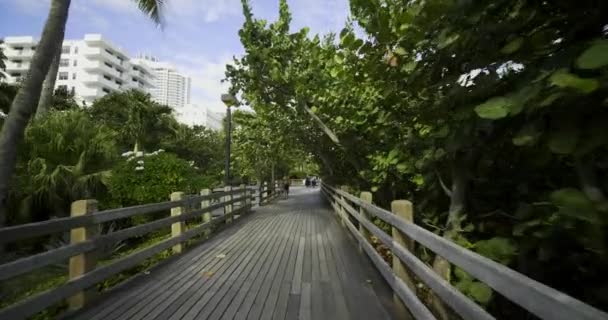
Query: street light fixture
[(229, 100)]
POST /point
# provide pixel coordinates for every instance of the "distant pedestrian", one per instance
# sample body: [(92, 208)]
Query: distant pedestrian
[(314, 182), (307, 183), (286, 188)]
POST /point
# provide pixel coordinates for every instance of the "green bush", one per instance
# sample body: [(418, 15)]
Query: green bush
[(152, 178)]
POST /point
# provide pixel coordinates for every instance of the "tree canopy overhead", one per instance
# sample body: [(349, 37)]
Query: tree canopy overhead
[(490, 116)]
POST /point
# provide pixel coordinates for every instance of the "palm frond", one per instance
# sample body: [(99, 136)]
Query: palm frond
[(153, 9)]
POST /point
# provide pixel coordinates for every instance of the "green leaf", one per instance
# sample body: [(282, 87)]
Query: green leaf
[(480, 292), (564, 141), (402, 167), (564, 79), (574, 203), (314, 109), (338, 58), (461, 274), (445, 40), (499, 249), (334, 72), (410, 66), (595, 56), (495, 108), (339, 119), (551, 98), (527, 136), (512, 46), (400, 51)]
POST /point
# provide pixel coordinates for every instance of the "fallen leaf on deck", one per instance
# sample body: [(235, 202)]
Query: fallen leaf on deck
[(207, 274), (221, 256)]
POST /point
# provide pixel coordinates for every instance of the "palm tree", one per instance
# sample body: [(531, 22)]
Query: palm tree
[(2, 58), (25, 103)]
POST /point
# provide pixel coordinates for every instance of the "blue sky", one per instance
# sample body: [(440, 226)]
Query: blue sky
[(199, 37)]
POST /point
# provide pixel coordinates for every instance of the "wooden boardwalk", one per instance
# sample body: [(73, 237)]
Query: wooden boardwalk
[(288, 260)]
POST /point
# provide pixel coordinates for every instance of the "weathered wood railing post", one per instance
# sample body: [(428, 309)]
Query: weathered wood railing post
[(204, 204), (367, 198), (404, 210), (265, 193), (258, 193), (228, 206), (179, 227), (85, 262), (343, 213), (242, 194)]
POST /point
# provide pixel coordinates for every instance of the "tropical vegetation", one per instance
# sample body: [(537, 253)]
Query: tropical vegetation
[(490, 116)]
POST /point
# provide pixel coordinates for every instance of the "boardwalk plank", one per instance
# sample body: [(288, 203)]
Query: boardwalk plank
[(121, 302), (272, 301), (289, 260), (204, 291), (231, 288)]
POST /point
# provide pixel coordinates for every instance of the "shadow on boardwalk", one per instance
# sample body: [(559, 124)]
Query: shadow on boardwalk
[(288, 260)]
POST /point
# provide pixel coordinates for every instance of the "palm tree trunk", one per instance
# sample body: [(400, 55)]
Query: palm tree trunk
[(25, 102), (46, 97)]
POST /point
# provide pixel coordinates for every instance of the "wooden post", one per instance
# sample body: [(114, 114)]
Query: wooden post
[(265, 193), (179, 227), (84, 262), (367, 198), (205, 204), (243, 202), (258, 193), (342, 209), (228, 206), (404, 210)]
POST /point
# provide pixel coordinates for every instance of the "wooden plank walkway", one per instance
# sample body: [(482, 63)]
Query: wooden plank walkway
[(288, 260)]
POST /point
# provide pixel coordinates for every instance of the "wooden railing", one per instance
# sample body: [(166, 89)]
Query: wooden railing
[(539, 299), (83, 224)]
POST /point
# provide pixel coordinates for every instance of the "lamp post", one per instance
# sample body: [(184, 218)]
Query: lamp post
[(229, 100)]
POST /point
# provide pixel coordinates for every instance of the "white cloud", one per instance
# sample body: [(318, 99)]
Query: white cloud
[(206, 74), (210, 10)]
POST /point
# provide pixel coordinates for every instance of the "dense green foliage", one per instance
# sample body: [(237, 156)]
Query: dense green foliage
[(74, 153), (151, 178), (490, 116)]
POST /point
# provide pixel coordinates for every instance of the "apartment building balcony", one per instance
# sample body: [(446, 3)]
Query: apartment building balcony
[(101, 81), (25, 54), (103, 54), (102, 67), (12, 66)]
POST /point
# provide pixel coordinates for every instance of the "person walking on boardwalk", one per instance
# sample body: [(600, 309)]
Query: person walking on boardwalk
[(286, 188), (307, 183)]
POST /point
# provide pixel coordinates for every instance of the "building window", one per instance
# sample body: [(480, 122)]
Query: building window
[(105, 90), (65, 49), (107, 64), (62, 87), (75, 49), (110, 52), (34, 48), (73, 88), (74, 76), (64, 63), (107, 77), (63, 76), (75, 63), (18, 63), (119, 82)]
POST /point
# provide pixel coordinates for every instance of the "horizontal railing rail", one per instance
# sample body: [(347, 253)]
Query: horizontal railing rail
[(539, 299), (83, 270)]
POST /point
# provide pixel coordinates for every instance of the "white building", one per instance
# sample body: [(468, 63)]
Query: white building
[(170, 87), (90, 68), (194, 115)]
